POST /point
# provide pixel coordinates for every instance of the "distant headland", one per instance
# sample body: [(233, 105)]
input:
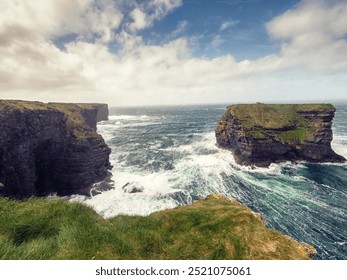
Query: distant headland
[(261, 134)]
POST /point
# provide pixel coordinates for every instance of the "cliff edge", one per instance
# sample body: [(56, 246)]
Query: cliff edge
[(260, 134), (52, 147), (213, 228)]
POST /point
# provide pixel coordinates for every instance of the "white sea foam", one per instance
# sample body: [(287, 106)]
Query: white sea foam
[(206, 168), (202, 161), (131, 117), (157, 187), (340, 148)]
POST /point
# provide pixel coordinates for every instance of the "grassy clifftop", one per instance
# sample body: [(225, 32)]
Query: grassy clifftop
[(275, 116), (261, 120), (214, 228), (74, 114)]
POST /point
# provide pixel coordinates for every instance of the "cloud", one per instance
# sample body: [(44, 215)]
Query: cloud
[(313, 35), (139, 20), (181, 28), (146, 13), (217, 41), (228, 24), (108, 60), (52, 18)]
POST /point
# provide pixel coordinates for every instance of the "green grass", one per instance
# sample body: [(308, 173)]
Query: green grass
[(293, 136), (215, 228), (274, 116)]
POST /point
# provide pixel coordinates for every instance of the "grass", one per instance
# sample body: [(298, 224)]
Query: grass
[(22, 105), (292, 136), (215, 228), (274, 116)]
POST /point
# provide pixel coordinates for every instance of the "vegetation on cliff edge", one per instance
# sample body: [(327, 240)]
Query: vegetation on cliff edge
[(215, 228), (262, 120), (75, 122)]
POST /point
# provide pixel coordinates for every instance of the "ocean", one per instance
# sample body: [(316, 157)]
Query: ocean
[(167, 156)]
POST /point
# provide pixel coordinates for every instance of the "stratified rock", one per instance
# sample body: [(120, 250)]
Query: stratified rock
[(260, 134), (46, 148), (102, 112)]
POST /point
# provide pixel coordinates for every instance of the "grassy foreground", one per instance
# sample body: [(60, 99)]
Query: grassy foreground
[(214, 228)]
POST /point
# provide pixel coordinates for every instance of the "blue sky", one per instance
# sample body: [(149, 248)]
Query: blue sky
[(133, 53), (237, 26)]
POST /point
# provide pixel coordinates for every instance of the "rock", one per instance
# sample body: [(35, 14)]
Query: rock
[(100, 187), (260, 134), (133, 187), (46, 148), (102, 112)]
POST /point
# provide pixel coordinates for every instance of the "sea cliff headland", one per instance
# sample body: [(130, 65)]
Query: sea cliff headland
[(54, 147), (261, 134)]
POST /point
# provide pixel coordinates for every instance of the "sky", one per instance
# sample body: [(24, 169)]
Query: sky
[(173, 52)]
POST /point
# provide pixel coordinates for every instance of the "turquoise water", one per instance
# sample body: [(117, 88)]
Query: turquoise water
[(170, 153)]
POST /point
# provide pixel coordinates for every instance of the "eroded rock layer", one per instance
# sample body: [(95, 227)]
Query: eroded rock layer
[(47, 148), (260, 134)]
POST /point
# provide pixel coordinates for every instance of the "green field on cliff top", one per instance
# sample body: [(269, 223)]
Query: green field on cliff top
[(75, 122), (284, 122), (214, 228), (275, 116)]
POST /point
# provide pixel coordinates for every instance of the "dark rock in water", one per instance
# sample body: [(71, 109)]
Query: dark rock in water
[(133, 187), (260, 134), (46, 148), (100, 187)]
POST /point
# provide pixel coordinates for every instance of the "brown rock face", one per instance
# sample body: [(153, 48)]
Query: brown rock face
[(47, 148), (260, 134)]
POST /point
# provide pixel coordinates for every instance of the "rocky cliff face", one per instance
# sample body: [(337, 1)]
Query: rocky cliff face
[(102, 114), (260, 134), (47, 148)]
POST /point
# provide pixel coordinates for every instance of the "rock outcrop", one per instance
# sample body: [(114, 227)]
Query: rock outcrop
[(102, 114), (52, 147), (260, 134)]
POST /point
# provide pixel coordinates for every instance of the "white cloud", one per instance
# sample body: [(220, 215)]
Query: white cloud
[(228, 24), (139, 20), (181, 28), (217, 41), (51, 18), (88, 69), (313, 35), (146, 13)]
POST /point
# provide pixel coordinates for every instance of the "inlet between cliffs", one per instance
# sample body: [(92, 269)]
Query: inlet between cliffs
[(164, 157)]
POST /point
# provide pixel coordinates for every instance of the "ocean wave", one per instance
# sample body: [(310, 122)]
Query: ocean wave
[(132, 117), (340, 148)]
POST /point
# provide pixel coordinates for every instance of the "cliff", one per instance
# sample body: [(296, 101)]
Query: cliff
[(47, 148), (214, 228), (260, 134)]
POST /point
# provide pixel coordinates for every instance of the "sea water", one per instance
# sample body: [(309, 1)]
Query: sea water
[(170, 155)]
